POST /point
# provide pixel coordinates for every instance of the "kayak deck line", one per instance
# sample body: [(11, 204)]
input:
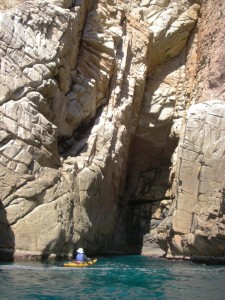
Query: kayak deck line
[(79, 264)]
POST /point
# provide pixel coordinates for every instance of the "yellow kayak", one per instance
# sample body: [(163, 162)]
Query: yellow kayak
[(76, 264)]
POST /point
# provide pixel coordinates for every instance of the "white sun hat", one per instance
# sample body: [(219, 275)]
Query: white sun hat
[(80, 250)]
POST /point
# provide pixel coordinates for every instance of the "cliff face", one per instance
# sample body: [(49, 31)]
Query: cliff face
[(111, 128), (198, 214)]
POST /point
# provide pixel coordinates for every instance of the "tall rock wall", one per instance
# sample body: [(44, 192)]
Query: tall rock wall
[(39, 50), (198, 215), (94, 127), (199, 210)]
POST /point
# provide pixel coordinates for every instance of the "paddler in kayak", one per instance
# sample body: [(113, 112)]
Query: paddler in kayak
[(80, 256)]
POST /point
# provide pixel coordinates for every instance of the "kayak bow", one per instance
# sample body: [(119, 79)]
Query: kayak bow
[(77, 264)]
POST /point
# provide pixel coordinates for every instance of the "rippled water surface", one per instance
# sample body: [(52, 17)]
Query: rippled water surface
[(121, 277)]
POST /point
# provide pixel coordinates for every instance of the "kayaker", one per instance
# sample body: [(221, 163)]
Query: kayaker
[(80, 256)]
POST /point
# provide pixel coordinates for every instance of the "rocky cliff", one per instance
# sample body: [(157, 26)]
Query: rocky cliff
[(111, 127)]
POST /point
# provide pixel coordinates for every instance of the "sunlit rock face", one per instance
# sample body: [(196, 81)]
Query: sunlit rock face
[(205, 64), (39, 50), (94, 98), (198, 217), (197, 226)]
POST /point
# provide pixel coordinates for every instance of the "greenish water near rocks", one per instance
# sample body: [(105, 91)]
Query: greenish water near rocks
[(120, 277)]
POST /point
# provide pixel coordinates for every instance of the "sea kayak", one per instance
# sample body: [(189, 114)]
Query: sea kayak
[(77, 264)]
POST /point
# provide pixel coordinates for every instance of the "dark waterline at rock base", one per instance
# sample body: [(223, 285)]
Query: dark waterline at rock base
[(9, 256)]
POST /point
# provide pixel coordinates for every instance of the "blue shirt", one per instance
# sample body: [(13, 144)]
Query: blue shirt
[(81, 257)]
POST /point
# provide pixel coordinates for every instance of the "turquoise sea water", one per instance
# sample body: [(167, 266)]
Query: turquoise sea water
[(121, 277)]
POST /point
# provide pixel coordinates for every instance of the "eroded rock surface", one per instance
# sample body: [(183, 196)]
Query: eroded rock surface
[(93, 101), (198, 217)]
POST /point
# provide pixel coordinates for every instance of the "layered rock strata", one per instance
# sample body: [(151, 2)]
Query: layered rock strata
[(93, 101)]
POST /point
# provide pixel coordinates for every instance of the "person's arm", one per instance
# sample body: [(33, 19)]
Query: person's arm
[(86, 258)]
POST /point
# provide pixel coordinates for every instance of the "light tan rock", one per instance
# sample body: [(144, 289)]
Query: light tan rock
[(200, 192), (93, 103), (5, 4)]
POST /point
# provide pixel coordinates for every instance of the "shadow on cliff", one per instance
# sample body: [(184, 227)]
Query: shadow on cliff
[(146, 213), (7, 237), (79, 143), (148, 181), (141, 208)]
